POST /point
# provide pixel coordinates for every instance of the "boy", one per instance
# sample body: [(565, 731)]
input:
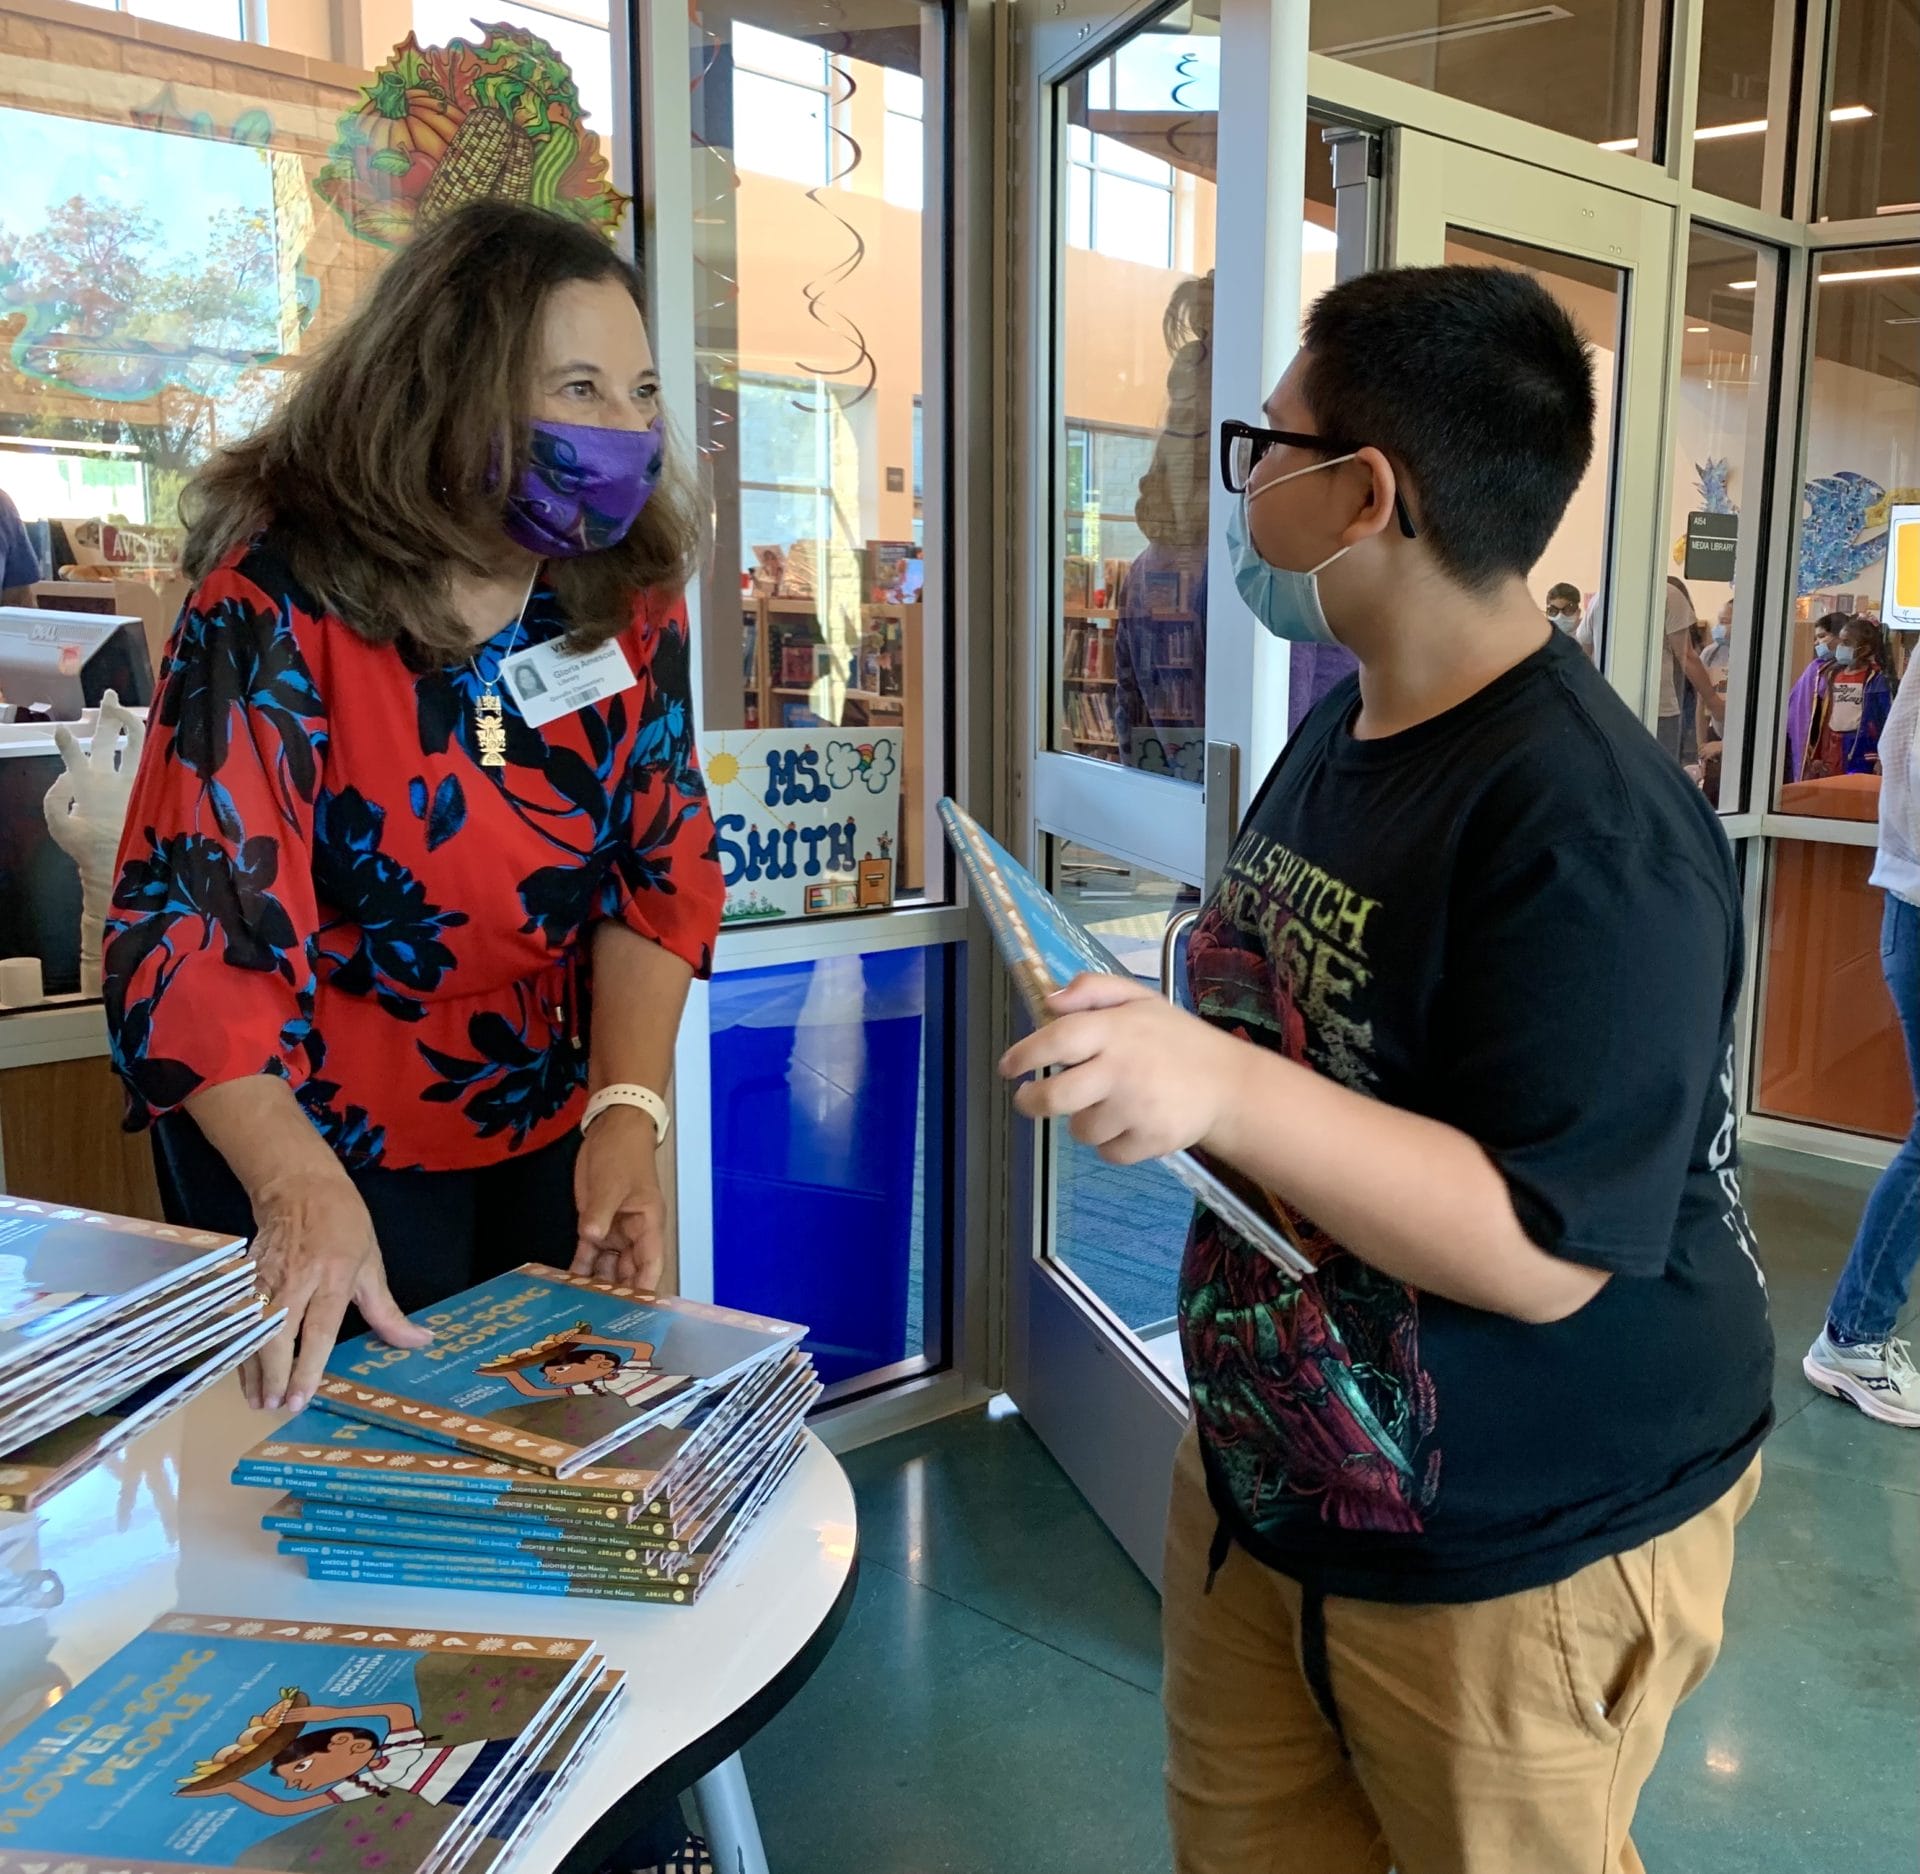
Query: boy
[(1452, 1532)]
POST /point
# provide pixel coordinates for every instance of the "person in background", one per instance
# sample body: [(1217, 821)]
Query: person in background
[(1851, 700), (19, 564), (1856, 1356), (1717, 655), (1564, 608), (1160, 625), (1800, 698), (1586, 633), (1452, 1525), (1680, 667)]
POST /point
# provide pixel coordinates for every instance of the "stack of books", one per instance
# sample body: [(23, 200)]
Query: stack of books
[(561, 1437), (107, 1324), (215, 1741)]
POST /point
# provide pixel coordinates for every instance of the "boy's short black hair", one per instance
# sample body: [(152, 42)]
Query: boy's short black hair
[(1477, 387)]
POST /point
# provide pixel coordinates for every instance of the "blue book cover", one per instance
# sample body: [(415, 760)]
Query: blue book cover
[(550, 1585), (447, 1538), (1044, 949), (213, 1741), (547, 1370)]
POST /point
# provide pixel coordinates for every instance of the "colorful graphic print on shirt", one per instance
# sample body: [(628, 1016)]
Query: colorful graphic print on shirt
[(1326, 1371)]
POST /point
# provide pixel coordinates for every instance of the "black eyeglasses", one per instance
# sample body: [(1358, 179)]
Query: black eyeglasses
[(1243, 447)]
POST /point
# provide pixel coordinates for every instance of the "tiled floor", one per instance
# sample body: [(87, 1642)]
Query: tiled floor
[(991, 1708)]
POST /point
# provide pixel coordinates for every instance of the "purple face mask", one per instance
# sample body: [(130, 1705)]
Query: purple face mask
[(582, 488)]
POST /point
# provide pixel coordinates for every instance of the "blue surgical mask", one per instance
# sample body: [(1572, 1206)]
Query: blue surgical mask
[(1719, 634), (1287, 603), (1823, 652), (1843, 655)]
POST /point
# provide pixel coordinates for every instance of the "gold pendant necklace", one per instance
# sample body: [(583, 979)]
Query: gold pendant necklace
[(489, 718)]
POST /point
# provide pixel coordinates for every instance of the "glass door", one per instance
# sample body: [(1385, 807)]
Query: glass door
[(1603, 256), (1151, 705)]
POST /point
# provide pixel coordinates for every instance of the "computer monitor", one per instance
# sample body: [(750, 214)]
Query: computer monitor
[(65, 662)]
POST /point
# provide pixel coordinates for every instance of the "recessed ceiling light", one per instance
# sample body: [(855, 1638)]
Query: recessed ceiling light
[(1753, 127), (1835, 279), (1898, 208), (1697, 328)]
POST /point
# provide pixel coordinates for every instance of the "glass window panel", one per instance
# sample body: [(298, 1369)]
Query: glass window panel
[(1079, 206), (1120, 1231), (1120, 158), (1719, 471), (220, 17), (778, 55), (814, 350), (1134, 382), (1583, 69), (1862, 453), (904, 161), (1079, 143), (780, 129), (1593, 296), (905, 92), (1736, 126), (1830, 1049), (834, 1094), (1132, 220), (585, 48), (1870, 143)]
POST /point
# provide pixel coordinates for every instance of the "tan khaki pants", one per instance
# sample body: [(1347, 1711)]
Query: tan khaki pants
[(1499, 1737)]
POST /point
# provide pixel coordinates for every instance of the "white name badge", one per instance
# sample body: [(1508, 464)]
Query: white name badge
[(545, 682)]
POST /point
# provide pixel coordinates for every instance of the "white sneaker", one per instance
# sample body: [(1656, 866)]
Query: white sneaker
[(1879, 1377)]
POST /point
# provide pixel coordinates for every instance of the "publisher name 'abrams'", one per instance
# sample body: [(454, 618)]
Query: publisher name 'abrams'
[(458, 1331), (78, 1742)]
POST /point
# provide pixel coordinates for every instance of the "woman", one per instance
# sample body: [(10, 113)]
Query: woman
[(1857, 1356), (1806, 686), (1850, 703), (368, 876)]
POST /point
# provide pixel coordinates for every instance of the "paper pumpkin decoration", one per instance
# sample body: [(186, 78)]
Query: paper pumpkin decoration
[(441, 126)]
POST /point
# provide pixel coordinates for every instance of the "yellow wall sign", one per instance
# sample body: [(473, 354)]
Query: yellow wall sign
[(1900, 608)]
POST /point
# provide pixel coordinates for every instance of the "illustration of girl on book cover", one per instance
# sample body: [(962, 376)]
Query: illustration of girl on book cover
[(575, 1362), (342, 1759)]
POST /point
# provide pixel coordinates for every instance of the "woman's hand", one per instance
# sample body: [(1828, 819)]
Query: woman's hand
[(315, 1252), (623, 1212), (1137, 1077)]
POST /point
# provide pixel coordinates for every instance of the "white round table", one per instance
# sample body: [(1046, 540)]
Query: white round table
[(159, 1529)]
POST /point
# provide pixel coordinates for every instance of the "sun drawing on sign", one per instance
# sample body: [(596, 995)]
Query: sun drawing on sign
[(723, 769)]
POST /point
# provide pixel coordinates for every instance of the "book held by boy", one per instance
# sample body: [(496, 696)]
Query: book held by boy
[(1044, 949)]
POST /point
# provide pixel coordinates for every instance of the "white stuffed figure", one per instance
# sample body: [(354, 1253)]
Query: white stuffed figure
[(86, 809)]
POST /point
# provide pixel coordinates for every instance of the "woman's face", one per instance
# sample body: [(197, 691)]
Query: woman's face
[(594, 364)]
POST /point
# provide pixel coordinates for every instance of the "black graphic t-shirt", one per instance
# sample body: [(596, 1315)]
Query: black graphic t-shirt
[(1520, 919)]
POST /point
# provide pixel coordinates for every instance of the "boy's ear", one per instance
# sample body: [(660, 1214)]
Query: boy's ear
[(1376, 514)]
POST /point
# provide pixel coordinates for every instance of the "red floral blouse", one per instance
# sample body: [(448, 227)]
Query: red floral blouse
[(319, 880)]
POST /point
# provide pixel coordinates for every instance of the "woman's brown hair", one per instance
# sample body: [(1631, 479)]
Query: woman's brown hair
[(387, 468)]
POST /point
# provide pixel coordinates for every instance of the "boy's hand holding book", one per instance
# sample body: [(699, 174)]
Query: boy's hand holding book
[(1137, 1077)]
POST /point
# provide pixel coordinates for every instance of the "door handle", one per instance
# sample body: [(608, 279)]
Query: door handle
[(1177, 927)]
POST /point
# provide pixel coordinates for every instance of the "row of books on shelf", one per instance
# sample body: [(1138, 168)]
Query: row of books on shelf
[(1086, 582), (1089, 717), (1173, 699), (1088, 653), (887, 572)]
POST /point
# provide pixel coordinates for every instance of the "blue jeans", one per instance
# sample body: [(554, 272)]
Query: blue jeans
[(1873, 1285)]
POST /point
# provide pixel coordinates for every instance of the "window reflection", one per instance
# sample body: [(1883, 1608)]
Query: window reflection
[(1583, 69), (1138, 151), (1870, 147), (1862, 459), (1740, 137), (1719, 469), (812, 344)]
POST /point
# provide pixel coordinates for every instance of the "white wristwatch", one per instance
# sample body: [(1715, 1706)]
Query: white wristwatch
[(625, 1093)]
